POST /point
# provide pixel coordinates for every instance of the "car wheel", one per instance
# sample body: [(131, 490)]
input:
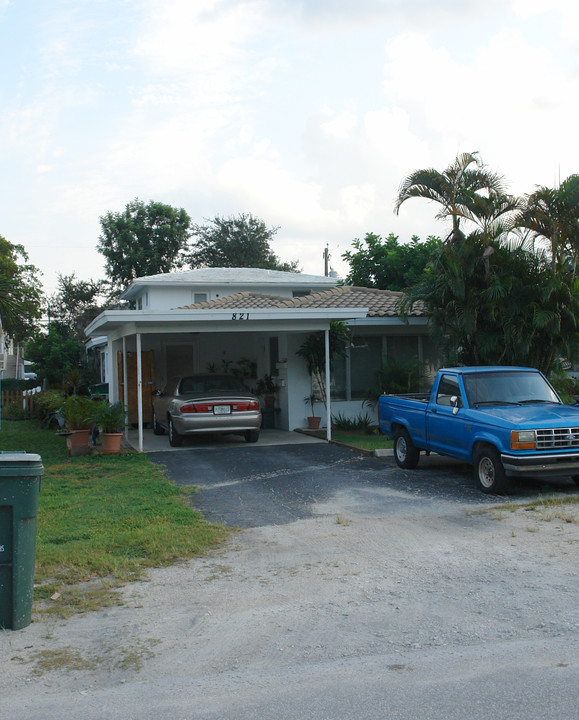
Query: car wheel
[(489, 471), (575, 479), (251, 436), (157, 429), (175, 438), (406, 453)]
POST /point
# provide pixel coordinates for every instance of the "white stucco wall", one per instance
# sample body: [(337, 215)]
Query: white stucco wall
[(166, 297)]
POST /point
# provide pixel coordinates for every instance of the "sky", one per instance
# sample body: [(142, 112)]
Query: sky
[(306, 113)]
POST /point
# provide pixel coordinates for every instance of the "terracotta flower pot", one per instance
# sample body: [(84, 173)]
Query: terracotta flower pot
[(314, 422), (111, 443), (77, 442)]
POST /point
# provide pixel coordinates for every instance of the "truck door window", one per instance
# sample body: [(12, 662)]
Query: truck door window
[(447, 389)]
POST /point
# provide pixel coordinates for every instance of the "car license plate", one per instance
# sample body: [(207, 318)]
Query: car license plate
[(222, 409)]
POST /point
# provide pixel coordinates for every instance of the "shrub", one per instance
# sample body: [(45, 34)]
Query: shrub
[(77, 411), (360, 422), (109, 418)]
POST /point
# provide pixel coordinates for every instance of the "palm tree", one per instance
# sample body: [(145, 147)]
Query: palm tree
[(495, 215), (458, 189), (553, 214), (512, 310)]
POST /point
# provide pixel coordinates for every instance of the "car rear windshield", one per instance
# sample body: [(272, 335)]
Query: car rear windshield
[(495, 388), (209, 383)]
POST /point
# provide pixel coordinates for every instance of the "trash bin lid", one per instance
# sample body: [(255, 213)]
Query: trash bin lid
[(20, 463)]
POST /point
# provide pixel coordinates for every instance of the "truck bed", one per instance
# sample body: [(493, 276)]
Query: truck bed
[(419, 397)]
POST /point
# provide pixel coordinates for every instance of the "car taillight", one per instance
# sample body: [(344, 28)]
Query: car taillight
[(245, 406), (197, 408)]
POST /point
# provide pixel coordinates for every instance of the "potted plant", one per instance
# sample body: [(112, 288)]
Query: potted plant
[(76, 411), (313, 419), (313, 351), (111, 420), (266, 386)]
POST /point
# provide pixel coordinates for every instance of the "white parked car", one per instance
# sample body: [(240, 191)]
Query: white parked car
[(206, 404)]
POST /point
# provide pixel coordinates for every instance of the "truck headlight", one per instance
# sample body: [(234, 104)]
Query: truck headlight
[(523, 440)]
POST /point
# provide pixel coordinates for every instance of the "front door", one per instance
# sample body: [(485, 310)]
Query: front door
[(148, 372)]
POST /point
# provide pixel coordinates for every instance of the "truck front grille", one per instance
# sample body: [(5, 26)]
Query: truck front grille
[(557, 438)]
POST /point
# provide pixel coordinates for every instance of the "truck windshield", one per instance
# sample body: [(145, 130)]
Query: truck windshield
[(502, 388)]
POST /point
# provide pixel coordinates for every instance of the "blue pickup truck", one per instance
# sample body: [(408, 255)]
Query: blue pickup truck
[(506, 421)]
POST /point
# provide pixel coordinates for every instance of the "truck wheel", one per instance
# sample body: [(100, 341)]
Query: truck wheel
[(488, 470), (405, 453), (175, 439)]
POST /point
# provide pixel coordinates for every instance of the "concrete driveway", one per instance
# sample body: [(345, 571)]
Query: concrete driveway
[(160, 443)]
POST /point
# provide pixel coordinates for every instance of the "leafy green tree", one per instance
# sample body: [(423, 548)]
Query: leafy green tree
[(242, 241), (59, 355), (76, 303), (457, 189), (142, 240), (20, 294), (56, 355), (553, 214), (503, 307), (387, 265)]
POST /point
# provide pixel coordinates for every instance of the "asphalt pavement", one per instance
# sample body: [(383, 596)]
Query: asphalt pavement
[(253, 486)]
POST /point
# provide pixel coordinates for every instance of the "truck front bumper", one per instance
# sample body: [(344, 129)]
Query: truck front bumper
[(551, 464)]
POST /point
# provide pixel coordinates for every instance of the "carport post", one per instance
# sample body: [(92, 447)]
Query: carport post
[(139, 392), (328, 400), (125, 388)]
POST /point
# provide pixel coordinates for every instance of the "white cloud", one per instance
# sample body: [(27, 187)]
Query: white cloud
[(357, 202), (200, 37), (266, 188), (502, 103), (341, 125)]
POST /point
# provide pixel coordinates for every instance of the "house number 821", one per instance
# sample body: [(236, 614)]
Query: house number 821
[(240, 316)]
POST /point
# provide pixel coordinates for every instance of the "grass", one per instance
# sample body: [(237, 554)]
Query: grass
[(102, 521), (547, 509)]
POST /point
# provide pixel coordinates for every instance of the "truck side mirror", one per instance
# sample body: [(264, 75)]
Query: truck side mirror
[(454, 400)]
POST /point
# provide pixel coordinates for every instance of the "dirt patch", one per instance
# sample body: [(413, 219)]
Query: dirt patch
[(341, 585)]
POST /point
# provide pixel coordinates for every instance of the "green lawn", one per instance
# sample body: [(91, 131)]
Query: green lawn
[(103, 520), (362, 440)]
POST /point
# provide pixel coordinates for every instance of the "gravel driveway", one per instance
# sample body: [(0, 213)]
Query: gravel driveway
[(356, 590)]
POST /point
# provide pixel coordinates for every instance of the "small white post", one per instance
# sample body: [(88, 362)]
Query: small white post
[(328, 400), (139, 392)]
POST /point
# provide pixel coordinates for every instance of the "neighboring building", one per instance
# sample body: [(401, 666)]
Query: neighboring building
[(236, 318), (11, 359)]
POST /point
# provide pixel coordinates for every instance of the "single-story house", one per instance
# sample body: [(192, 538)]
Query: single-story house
[(251, 321)]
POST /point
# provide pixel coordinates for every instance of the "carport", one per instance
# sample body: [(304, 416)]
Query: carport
[(238, 324)]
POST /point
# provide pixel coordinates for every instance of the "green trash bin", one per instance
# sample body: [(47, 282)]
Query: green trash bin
[(20, 474)]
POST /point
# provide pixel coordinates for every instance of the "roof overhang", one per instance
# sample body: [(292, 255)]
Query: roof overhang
[(389, 320), (122, 323)]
